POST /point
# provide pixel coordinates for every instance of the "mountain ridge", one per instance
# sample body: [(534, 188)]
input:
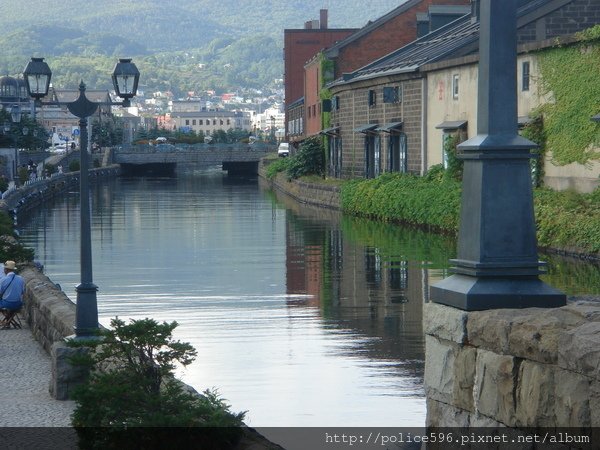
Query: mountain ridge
[(167, 37)]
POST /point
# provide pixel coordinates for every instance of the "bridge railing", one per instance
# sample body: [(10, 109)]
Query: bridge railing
[(187, 148)]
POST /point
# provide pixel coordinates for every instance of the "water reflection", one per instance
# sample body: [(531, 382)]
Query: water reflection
[(300, 315)]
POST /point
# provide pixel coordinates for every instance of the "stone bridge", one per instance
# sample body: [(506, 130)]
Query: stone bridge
[(164, 158)]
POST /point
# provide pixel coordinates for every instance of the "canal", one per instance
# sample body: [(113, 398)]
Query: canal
[(301, 316)]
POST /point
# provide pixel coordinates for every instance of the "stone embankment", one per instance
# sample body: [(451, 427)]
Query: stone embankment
[(518, 368), (315, 194), (39, 191)]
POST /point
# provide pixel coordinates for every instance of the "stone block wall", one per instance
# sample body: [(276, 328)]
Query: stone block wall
[(533, 367), (303, 192)]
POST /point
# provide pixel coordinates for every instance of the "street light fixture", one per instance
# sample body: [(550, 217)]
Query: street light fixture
[(125, 78), (15, 116)]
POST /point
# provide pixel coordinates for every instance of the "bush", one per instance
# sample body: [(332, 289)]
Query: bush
[(23, 174), (131, 387), (568, 220), (309, 160), (74, 166), (277, 166), (565, 220), (432, 203), (454, 168)]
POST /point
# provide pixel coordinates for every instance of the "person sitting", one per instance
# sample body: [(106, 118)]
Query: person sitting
[(12, 288)]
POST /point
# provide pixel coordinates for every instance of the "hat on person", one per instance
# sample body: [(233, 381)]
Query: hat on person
[(10, 265)]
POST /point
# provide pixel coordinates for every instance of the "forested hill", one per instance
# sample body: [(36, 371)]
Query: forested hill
[(210, 31)]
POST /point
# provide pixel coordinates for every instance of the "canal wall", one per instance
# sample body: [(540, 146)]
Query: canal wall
[(38, 191), (315, 194), (533, 367)]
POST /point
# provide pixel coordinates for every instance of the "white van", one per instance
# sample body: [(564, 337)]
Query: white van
[(284, 149)]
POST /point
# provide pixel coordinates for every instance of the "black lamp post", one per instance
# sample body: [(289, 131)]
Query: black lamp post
[(497, 264), (15, 117), (273, 128), (125, 79)]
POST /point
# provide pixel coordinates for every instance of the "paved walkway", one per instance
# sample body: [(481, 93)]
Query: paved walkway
[(25, 379)]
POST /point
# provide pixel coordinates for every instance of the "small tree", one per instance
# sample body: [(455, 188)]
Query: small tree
[(310, 159), (132, 385)]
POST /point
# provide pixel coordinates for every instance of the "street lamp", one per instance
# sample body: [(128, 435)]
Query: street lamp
[(15, 117), (125, 79), (497, 262), (273, 128)]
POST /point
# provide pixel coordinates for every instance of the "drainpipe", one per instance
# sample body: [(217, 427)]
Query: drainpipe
[(424, 126)]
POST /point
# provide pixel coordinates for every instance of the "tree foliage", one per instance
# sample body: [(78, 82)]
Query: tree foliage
[(132, 385), (309, 160)]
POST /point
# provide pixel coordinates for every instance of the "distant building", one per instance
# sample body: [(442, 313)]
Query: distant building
[(57, 120), (209, 121), (186, 105)]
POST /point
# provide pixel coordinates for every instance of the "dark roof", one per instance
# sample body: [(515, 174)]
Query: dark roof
[(332, 51), (438, 44), (458, 38), (333, 131), (452, 125), (370, 26), (366, 128), (389, 127), (596, 118)]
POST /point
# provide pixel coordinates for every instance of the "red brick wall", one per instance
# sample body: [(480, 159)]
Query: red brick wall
[(391, 36), (312, 101), (299, 47)]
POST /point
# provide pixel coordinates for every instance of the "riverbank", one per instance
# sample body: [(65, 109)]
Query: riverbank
[(568, 223), (49, 314)]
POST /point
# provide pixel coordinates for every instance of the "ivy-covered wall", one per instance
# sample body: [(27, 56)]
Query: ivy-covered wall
[(571, 75)]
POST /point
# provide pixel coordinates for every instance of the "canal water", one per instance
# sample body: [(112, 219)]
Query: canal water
[(299, 315)]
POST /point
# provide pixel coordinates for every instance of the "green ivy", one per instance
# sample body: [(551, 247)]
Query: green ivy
[(570, 75), (535, 132), (454, 170), (565, 220)]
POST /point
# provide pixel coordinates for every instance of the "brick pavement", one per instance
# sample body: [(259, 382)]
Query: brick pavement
[(29, 417)]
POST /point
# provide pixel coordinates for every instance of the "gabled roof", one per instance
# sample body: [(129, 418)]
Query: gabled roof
[(370, 26), (458, 38), (438, 44)]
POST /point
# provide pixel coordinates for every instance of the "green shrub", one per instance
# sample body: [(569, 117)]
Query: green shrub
[(309, 160), (74, 166), (565, 220), (23, 174), (132, 387), (454, 168), (277, 166), (405, 198), (568, 220)]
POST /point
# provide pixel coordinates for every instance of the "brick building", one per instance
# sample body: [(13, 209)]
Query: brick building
[(402, 25), (376, 39), (300, 45), (378, 119)]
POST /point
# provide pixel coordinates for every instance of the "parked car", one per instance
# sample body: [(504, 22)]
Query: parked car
[(60, 148), (284, 149)]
